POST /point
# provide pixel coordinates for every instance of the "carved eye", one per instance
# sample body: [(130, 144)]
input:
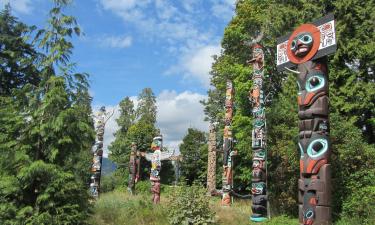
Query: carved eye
[(309, 214), (293, 46), (301, 150), (315, 82), (317, 147), (305, 38), (299, 88)]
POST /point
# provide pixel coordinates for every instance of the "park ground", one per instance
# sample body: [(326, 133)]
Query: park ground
[(119, 207)]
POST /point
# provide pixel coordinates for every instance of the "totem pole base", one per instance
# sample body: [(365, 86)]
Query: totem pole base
[(258, 219)]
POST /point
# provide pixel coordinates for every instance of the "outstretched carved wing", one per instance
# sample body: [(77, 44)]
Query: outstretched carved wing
[(148, 156), (165, 155)]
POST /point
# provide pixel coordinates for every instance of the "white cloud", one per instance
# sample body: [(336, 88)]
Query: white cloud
[(176, 113), (223, 8), (189, 38), (116, 41), (198, 64), (20, 6)]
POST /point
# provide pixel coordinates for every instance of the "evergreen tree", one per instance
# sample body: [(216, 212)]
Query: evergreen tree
[(146, 109), (46, 129), (194, 151), (17, 57), (135, 125)]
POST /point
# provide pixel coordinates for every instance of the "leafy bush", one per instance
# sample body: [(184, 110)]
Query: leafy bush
[(143, 187), (361, 205), (190, 205), (109, 183)]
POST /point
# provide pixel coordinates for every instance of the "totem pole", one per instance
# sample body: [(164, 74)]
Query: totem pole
[(307, 48), (96, 168), (134, 168), (259, 174), (211, 167), (228, 150), (156, 158)]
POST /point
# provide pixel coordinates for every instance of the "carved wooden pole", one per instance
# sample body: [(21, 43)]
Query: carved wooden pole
[(156, 157), (134, 168), (96, 167), (307, 47), (211, 167), (259, 174), (228, 150)]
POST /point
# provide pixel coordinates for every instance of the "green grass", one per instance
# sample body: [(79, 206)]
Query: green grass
[(120, 208)]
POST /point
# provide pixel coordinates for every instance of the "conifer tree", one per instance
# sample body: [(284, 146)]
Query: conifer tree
[(46, 130), (194, 151)]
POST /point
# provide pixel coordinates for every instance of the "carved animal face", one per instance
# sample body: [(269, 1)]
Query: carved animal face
[(301, 44), (258, 188), (311, 86), (314, 153)]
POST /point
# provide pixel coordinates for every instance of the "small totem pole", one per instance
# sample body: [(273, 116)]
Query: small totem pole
[(134, 168), (307, 48), (228, 151), (96, 168), (259, 174), (156, 158), (211, 167)]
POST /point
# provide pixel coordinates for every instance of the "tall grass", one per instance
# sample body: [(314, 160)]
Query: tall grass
[(239, 214), (120, 208)]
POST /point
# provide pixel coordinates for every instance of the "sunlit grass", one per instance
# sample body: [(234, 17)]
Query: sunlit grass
[(119, 207)]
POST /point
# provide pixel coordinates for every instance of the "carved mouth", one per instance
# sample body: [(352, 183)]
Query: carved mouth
[(302, 50)]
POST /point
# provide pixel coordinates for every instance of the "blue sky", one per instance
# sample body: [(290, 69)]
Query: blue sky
[(132, 44)]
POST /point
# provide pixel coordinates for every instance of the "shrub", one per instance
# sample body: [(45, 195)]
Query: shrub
[(361, 205), (190, 205)]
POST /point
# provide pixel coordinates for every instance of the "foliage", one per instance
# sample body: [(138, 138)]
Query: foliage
[(17, 57), (361, 205), (190, 205), (137, 125), (46, 128), (109, 182), (194, 151)]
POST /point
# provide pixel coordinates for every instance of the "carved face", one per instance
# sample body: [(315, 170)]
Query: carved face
[(314, 153), (301, 44), (312, 86), (258, 188), (258, 164), (309, 208), (259, 154), (157, 143)]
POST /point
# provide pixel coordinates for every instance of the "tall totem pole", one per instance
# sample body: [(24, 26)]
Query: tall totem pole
[(228, 150), (259, 174), (307, 48), (211, 166), (134, 168), (96, 168), (156, 157)]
